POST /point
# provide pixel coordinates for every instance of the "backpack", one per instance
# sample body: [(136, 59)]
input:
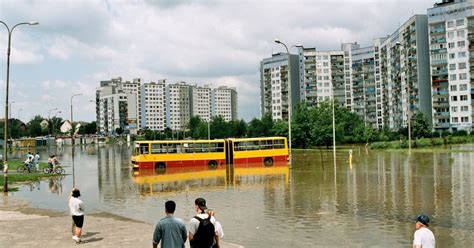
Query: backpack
[(204, 236)]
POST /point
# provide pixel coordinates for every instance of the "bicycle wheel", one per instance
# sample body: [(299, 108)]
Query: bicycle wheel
[(59, 170), (46, 170), (21, 169)]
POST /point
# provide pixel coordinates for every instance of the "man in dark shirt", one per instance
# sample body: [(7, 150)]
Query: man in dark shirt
[(170, 230)]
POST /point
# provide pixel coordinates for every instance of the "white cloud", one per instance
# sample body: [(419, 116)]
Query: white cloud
[(79, 43)]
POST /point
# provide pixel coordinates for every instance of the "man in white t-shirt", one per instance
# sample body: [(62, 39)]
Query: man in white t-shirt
[(76, 207), (200, 207), (424, 238)]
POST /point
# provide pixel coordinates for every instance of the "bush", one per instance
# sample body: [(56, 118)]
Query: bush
[(460, 133)]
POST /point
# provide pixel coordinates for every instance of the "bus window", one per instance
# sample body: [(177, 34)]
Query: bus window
[(220, 147), (279, 144), (188, 148), (171, 148), (157, 149), (143, 148), (266, 145)]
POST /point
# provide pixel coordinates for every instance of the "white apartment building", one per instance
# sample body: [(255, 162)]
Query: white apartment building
[(153, 105), (116, 107), (178, 105), (201, 102), (451, 32), (134, 88), (274, 85), (224, 103)]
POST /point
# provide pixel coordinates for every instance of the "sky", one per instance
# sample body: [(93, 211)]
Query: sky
[(218, 42)]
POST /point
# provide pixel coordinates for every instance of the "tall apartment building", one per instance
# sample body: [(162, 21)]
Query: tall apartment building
[(451, 37), (178, 105), (116, 107), (274, 85), (224, 103), (402, 74), (322, 76), (201, 102), (153, 105)]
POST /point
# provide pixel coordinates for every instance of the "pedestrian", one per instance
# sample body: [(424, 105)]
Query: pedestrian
[(218, 229), (424, 238), (36, 161), (170, 230), (201, 227), (76, 207), (29, 162)]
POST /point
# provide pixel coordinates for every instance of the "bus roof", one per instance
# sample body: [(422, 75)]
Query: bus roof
[(255, 139), (178, 141)]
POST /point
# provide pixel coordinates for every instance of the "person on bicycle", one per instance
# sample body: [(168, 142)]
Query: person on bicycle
[(50, 162), (29, 162)]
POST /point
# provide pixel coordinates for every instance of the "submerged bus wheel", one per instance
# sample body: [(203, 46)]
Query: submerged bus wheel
[(160, 167), (268, 161), (212, 164)]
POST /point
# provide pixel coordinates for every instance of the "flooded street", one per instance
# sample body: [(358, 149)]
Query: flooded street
[(369, 202)]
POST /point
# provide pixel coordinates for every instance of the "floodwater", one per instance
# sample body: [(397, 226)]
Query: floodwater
[(371, 201)]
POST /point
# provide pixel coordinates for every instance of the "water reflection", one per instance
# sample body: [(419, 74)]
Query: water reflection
[(202, 177), (368, 200)]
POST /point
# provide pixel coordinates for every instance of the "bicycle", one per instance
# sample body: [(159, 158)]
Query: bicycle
[(56, 170), (30, 168)]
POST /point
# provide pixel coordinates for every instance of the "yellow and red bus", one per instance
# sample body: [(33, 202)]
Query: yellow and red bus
[(266, 151), (159, 155)]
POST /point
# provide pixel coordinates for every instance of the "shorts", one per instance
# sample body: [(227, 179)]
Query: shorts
[(78, 220)]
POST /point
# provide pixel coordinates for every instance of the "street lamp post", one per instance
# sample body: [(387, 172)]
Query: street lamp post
[(49, 117), (10, 117), (5, 170), (289, 97), (72, 143), (72, 120), (19, 110), (59, 112)]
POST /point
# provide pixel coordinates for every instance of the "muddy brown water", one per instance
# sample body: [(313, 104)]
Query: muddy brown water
[(369, 202)]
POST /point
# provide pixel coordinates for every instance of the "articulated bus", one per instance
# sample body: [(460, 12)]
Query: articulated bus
[(163, 154)]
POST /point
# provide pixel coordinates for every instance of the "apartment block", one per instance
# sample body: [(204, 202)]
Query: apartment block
[(224, 103), (402, 74), (178, 105), (116, 107), (274, 85), (201, 102), (153, 105), (451, 39)]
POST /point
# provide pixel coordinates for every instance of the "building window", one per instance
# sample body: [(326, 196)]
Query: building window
[(462, 65), (452, 55), (453, 87), (450, 24), (452, 67), (461, 43), (452, 77), (460, 22), (463, 87), (465, 119), (454, 98), (451, 34), (460, 33), (463, 97), (462, 54), (464, 108), (462, 76), (455, 119), (451, 44), (454, 109)]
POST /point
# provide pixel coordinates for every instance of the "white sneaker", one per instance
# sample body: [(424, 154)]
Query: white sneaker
[(77, 239)]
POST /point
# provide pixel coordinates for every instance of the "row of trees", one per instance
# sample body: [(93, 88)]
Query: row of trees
[(33, 128), (310, 127)]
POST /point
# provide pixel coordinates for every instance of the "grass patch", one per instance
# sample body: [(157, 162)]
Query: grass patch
[(423, 142), (14, 177)]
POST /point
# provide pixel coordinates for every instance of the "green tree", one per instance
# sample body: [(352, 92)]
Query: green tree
[(321, 124), (119, 130), (34, 127), (420, 125)]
